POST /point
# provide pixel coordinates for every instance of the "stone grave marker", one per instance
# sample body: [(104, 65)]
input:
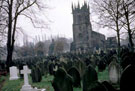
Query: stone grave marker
[(13, 73), (51, 67), (127, 80), (114, 72), (89, 77), (55, 68), (62, 81), (74, 73), (26, 86), (101, 66)]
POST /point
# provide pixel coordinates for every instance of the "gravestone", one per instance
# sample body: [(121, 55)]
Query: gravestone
[(89, 77), (62, 81), (114, 72), (128, 59), (46, 71), (80, 65), (127, 81), (36, 74), (74, 73), (101, 66), (51, 67), (55, 69), (13, 73), (93, 61), (26, 86)]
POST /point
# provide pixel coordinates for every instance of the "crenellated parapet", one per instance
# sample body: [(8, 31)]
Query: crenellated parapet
[(78, 9)]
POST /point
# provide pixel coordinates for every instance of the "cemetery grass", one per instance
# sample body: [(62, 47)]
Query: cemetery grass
[(103, 76), (2, 79), (16, 85)]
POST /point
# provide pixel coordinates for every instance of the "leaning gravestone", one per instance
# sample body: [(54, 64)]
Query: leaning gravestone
[(74, 73), (62, 81), (89, 77), (114, 72), (13, 73), (127, 81)]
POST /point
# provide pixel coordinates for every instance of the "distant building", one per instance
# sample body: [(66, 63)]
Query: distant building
[(59, 45), (84, 38), (111, 42)]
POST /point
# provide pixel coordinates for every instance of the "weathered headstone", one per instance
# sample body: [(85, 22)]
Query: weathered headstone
[(90, 76), (13, 73), (114, 72), (93, 61), (101, 66), (51, 67), (128, 59), (55, 68), (62, 81), (36, 74), (26, 86), (74, 73), (80, 65), (127, 81)]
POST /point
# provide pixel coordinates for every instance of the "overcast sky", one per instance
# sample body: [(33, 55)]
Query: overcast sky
[(60, 15)]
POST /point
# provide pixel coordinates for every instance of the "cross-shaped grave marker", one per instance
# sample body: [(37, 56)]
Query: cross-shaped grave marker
[(26, 86)]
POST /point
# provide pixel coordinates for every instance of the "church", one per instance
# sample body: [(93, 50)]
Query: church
[(84, 38)]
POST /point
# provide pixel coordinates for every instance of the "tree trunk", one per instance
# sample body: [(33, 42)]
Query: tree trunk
[(129, 34), (9, 58), (131, 44), (118, 38), (9, 47), (118, 32)]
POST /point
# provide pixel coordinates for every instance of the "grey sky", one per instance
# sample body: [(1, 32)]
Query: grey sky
[(60, 13)]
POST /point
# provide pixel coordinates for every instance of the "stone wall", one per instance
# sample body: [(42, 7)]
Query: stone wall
[(98, 40)]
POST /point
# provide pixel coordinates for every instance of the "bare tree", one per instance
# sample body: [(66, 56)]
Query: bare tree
[(2, 24), (128, 12), (110, 16), (59, 47), (12, 9)]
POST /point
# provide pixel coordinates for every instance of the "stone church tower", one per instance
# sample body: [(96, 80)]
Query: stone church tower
[(81, 27), (84, 39)]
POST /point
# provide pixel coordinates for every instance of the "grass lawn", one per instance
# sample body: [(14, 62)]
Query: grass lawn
[(16, 85), (2, 78), (103, 76)]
